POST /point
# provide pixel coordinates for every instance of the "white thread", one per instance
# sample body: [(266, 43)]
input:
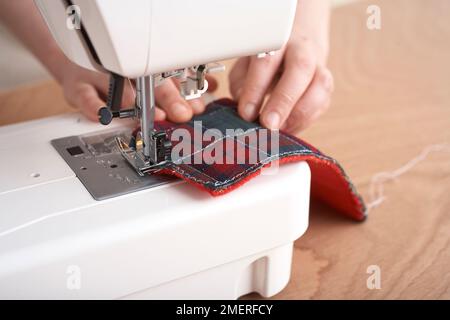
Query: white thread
[(132, 88), (253, 168), (376, 189), (180, 160)]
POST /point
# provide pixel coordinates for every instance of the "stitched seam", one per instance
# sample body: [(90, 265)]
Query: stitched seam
[(217, 182), (249, 169), (184, 172), (171, 129), (257, 165), (213, 143), (214, 181), (252, 147), (267, 160)]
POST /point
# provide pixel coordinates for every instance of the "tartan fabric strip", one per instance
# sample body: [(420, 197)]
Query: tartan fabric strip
[(227, 160)]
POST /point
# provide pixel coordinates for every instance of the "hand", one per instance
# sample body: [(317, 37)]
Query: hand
[(298, 97), (84, 89), (87, 91), (290, 89)]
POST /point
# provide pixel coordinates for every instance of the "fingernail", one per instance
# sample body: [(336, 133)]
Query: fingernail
[(272, 120), (249, 111), (197, 105), (179, 109)]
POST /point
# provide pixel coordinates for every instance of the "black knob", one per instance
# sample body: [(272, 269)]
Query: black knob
[(105, 116)]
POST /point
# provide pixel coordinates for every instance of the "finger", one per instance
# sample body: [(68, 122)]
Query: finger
[(236, 78), (261, 72), (300, 64), (313, 103), (212, 83), (100, 81), (129, 100), (160, 115), (168, 98), (85, 98), (197, 105)]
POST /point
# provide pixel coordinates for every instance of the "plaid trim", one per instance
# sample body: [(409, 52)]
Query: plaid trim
[(329, 181)]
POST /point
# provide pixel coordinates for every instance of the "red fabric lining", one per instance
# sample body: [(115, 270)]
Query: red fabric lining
[(336, 192), (329, 183)]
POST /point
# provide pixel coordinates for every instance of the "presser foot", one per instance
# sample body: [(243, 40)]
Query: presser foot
[(133, 153)]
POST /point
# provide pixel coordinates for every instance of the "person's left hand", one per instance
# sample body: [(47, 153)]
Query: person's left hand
[(286, 91)]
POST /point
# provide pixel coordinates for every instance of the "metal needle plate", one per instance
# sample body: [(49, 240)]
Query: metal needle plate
[(97, 161)]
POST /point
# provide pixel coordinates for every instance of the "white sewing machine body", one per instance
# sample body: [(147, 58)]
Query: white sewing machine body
[(167, 241), (82, 219), (142, 37)]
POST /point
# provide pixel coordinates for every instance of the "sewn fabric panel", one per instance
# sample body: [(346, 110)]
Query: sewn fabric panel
[(238, 151)]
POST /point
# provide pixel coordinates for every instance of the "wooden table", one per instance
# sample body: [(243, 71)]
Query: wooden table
[(392, 99)]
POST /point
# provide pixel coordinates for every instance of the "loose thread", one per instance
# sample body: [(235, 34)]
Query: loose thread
[(376, 190)]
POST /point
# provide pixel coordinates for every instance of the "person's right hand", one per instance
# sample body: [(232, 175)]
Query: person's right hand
[(87, 91)]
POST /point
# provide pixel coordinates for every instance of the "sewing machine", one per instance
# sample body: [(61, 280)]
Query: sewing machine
[(82, 214)]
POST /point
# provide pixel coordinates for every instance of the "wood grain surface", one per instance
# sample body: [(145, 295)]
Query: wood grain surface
[(392, 99)]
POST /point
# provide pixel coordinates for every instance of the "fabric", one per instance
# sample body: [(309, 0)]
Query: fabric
[(329, 183)]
